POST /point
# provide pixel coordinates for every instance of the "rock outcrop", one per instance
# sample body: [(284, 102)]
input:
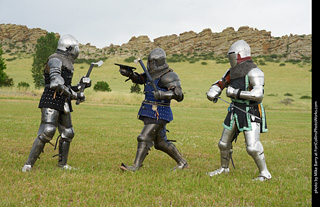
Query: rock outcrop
[(19, 38)]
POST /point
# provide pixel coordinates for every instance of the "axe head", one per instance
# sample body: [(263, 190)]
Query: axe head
[(136, 61), (98, 63)]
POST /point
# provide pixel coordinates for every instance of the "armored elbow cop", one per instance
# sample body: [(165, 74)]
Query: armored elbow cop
[(56, 81)]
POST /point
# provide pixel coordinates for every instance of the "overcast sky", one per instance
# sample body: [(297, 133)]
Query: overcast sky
[(116, 21)]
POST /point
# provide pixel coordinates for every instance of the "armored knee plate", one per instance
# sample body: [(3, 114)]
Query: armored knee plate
[(255, 150), (224, 145), (49, 121), (148, 134), (66, 133), (48, 132)]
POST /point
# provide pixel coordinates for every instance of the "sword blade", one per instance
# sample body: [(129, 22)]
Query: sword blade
[(240, 108)]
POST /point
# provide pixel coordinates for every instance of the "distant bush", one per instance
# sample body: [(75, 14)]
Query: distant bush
[(102, 86), (135, 88), (204, 63), (222, 60), (23, 85), (288, 94), (287, 101), (11, 59), (293, 61), (130, 59), (305, 97), (282, 64), (261, 62)]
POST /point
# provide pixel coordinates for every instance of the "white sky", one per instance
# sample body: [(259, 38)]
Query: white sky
[(116, 21)]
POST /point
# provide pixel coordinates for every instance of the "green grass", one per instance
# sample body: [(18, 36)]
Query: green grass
[(106, 129)]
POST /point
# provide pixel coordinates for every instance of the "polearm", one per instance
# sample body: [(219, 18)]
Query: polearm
[(147, 73), (232, 104), (83, 85)]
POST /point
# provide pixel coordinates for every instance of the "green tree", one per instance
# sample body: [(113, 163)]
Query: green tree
[(46, 45), (4, 78)]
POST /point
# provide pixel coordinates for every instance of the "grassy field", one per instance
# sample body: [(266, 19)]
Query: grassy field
[(106, 128)]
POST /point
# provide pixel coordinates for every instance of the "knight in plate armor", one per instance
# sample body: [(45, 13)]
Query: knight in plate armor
[(55, 102), (155, 110), (245, 86)]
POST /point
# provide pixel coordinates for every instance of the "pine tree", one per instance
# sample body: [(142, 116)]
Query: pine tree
[(4, 78), (46, 45)]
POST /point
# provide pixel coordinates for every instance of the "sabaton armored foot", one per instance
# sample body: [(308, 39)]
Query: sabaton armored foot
[(67, 167), (26, 168), (181, 166), (131, 168), (218, 171)]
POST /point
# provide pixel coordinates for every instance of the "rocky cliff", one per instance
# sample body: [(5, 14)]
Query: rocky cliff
[(19, 38)]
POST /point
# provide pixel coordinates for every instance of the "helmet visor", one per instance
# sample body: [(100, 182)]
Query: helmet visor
[(232, 59)]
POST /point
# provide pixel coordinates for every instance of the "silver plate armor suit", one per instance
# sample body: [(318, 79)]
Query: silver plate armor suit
[(55, 102), (245, 86)]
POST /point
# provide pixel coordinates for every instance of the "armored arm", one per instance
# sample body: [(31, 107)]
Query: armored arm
[(172, 82), (57, 82), (138, 78), (256, 80), (133, 76), (218, 86)]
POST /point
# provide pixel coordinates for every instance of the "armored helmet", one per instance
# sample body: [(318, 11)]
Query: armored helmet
[(238, 51), (69, 44), (157, 60)]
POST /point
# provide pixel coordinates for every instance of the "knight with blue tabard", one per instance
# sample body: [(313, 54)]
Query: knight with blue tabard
[(155, 110)]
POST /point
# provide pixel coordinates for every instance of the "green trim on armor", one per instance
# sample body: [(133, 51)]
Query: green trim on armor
[(263, 118), (235, 117)]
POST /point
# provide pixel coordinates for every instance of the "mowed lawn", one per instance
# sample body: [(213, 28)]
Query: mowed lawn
[(106, 127)]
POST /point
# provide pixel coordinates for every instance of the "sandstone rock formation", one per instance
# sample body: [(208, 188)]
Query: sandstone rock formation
[(19, 38)]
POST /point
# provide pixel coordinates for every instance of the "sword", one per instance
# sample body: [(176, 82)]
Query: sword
[(232, 104), (147, 73)]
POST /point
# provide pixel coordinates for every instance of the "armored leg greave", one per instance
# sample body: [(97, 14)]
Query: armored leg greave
[(63, 152), (142, 152), (225, 145), (36, 150), (255, 150), (145, 142), (172, 151)]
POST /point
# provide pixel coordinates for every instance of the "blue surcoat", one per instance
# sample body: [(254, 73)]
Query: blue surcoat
[(152, 108)]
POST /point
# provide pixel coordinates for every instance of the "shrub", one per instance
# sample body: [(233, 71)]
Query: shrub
[(305, 97), (102, 86), (23, 85), (287, 101), (129, 59), (261, 62), (135, 88)]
